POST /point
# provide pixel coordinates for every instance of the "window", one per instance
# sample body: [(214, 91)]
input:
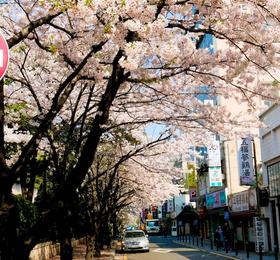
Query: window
[(274, 179)]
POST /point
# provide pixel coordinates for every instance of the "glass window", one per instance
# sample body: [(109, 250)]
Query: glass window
[(134, 234), (274, 179)]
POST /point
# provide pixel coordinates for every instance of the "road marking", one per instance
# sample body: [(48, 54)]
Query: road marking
[(225, 256), (206, 251), (162, 250)]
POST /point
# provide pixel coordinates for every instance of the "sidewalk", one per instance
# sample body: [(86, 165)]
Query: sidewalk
[(79, 253), (241, 254)]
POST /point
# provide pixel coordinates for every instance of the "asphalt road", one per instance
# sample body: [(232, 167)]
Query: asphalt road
[(167, 249)]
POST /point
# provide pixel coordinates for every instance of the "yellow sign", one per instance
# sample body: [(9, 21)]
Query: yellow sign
[(191, 176)]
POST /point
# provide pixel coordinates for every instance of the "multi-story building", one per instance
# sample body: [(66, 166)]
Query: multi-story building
[(270, 149)]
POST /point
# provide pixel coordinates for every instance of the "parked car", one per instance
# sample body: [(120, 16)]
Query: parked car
[(135, 240)]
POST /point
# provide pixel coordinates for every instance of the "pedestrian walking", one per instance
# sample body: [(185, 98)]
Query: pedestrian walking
[(227, 236), (219, 237)]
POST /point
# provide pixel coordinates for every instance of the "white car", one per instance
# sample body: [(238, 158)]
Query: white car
[(135, 240)]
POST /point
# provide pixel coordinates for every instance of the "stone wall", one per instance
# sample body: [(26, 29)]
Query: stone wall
[(44, 251), (47, 250)]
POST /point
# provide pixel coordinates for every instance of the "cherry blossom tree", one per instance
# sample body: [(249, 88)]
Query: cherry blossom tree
[(85, 68)]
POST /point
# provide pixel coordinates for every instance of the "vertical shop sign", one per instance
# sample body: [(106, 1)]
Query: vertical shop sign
[(193, 196), (214, 155), (245, 158), (214, 162), (215, 176), (191, 176), (191, 181), (259, 230)]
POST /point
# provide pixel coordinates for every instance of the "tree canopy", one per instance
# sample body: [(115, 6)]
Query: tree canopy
[(82, 71)]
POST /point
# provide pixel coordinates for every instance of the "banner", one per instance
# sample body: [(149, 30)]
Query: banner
[(214, 155), (246, 163)]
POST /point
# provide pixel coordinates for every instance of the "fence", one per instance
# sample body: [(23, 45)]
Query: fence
[(211, 245)]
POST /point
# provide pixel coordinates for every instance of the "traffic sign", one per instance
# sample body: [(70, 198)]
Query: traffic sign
[(4, 56)]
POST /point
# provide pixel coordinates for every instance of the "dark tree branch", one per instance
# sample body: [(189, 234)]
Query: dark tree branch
[(20, 36)]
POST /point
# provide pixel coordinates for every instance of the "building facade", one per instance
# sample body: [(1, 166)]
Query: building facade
[(270, 148)]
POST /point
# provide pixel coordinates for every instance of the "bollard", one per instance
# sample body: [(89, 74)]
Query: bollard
[(189, 238), (236, 249), (193, 239), (211, 243), (197, 241), (275, 252), (226, 245), (260, 252), (201, 242), (247, 250)]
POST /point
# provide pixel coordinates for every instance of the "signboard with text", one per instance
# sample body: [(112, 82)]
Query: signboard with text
[(216, 199), (193, 196), (246, 165), (215, 176), (191, 176), (214, 154), (243, 201), (259, 230), (214, 163)]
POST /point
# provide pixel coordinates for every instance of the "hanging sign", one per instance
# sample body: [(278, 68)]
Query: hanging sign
[(215, 176), (214, 155), (246, 165), (259, 231)]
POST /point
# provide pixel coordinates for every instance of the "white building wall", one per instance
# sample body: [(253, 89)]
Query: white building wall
[(270, 148)]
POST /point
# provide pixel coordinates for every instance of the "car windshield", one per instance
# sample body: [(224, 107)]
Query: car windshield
[(134, 234), (152, 224)]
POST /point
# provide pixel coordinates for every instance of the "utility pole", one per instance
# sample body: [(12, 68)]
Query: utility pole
[(257, 179)]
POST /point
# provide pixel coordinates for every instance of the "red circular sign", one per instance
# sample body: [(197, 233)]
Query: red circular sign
[(4, 56)]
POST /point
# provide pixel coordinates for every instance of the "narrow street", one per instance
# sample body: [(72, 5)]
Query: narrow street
[(168, 249)]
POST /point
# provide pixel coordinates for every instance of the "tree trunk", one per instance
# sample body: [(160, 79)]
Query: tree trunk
[(12, 247), (15, 252), (90, 242), (97, 245), (66, 250)]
